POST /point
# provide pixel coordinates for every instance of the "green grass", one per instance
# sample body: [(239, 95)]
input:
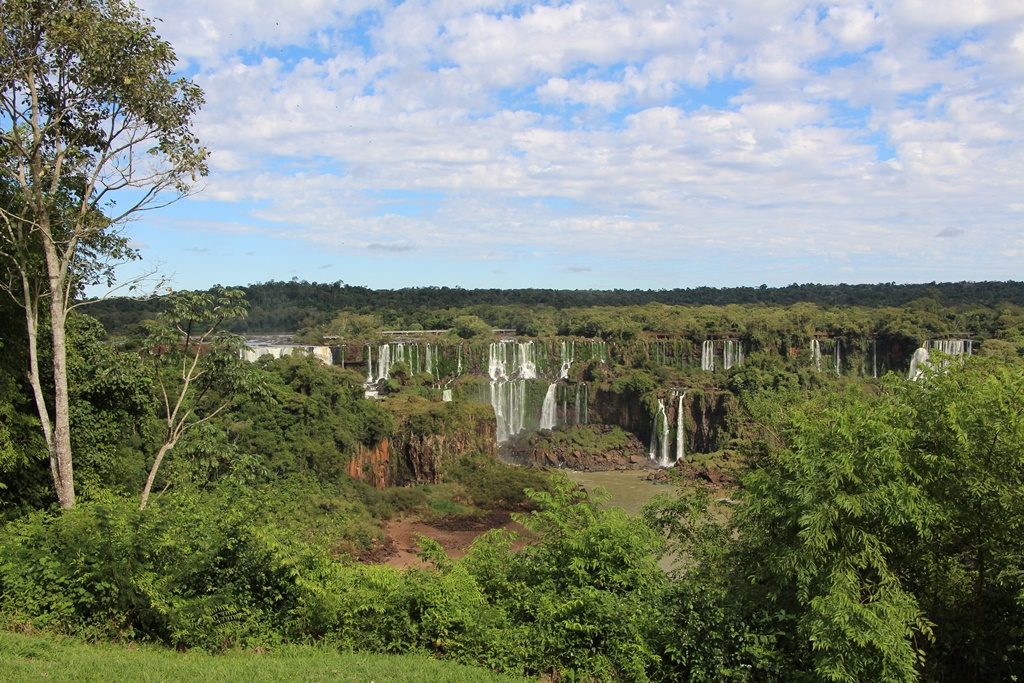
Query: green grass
[(38, 658)]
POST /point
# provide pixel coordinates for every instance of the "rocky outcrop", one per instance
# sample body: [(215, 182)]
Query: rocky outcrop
[(428, 437), (584, 447), (707, 424), (423, 457), (431, 436), (372, 465)]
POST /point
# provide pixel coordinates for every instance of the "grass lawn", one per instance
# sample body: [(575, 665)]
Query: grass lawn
[(38, 658)]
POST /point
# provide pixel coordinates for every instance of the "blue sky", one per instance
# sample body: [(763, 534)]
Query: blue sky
[(597, 144)]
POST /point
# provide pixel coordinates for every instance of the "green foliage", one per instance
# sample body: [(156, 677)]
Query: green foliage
[(968, 565), (878, 539), (23, 473), (470, 326), (582, 594), (313, 421), (817, 528), (588, 440), (188, 572), (197, 369), (292, 306), (635, 382), (111, 399), (491, 484)]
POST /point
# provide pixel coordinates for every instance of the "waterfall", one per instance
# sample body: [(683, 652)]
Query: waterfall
[(568, 356), (659, 437), (918, 362), (874, 358), (680, 431), (508, 359), (951, 347), (508, 398), (369, 364), (384, 362), (446, 395), (599, 351), (548, 412), (838, 354), (732, 354), (707, 356), (458, 369), (582, 409), (816, 353), (509, 365), (430, 361), (323, 354)]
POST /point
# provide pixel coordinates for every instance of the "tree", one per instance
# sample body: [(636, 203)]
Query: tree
[(95, 130), (196, 365)]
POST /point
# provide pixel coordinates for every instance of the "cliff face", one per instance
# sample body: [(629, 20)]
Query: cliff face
[(706, 422), (581, 447), (428, 437), (623, 409), (372, 465), (421, 457)]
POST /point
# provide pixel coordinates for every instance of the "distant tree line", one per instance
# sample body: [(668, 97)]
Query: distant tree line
[(289, 306)]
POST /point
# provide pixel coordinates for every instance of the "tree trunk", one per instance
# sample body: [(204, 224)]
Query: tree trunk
[(35, 381), (152, 472), (60, 449)]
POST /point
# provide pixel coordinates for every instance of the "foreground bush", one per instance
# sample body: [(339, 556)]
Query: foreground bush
[(205, 572), (188, 573), (879, 539)]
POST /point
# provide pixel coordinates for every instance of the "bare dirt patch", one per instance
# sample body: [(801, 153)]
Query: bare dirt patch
[(454, 534)]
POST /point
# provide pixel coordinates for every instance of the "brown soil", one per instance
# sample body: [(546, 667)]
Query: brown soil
[(455, 534)]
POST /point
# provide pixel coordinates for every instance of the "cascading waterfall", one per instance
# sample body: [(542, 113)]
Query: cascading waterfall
[(816, 353), (509, 365), (446, 395), (582, 409), (369, 364), (508, 398), (392, 353), (429, 367), (599, 351), (568, 356), (838, 355), (458, 369), (508, 359), (707, 356), (659, 437), (951, 347), (732, 354), (549, 410), (874, 358), (384, 362), (680, 431), (918, 363)]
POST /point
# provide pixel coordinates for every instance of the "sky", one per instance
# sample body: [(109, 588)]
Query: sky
[(597, 145)]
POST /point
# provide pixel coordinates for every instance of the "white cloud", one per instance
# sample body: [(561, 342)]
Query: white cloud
[(615, 127)]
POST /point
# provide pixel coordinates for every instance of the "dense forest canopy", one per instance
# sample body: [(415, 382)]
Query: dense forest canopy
[(286, 307)]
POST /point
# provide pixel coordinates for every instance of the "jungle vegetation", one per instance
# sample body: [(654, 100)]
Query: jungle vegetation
[(158, 489)]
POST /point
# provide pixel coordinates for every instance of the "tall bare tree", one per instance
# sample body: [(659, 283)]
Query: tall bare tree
[(94, 129)]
